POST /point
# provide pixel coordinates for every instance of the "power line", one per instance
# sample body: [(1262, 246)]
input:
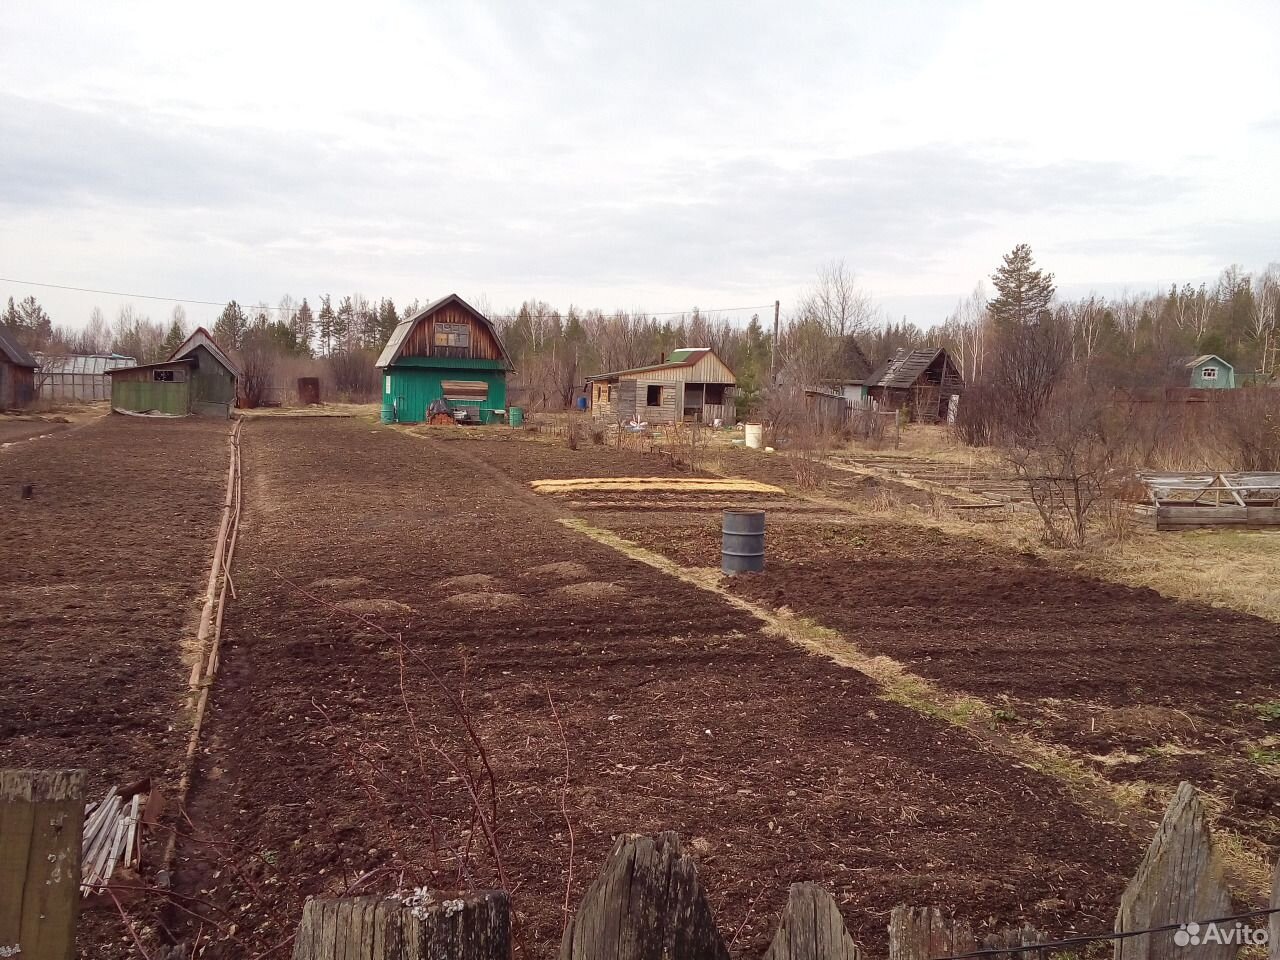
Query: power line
[(222, 303)]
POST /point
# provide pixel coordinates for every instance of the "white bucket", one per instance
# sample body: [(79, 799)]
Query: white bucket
[(755, 435)]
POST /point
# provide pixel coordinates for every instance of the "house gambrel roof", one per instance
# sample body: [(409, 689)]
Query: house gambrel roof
[(395, 344)]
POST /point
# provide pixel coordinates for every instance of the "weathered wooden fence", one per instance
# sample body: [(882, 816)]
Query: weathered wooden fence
[(41, 826), (647, 904)]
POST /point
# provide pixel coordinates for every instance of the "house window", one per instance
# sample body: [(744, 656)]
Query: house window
[(1209, 373), (452, 335), (162, 376), (653, 395)]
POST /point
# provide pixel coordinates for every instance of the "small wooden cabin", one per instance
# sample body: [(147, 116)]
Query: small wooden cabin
[(17, 373), (199, 378), (447, 351), (692, 384), (926, 383), (1210, 372)]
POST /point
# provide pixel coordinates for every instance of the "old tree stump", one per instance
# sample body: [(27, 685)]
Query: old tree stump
[(812, 928)]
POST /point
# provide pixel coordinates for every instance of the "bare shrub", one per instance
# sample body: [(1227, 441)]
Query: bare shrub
[(257, 369), (1075, 460), (685, 443), (868, 426), (1249, 424), (353, 374), (980, 418)]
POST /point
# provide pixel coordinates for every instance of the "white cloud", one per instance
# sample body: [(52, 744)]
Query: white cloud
[(656, 156)]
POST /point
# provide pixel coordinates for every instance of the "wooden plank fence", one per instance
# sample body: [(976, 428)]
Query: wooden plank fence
[(41, 825), (647, 904)]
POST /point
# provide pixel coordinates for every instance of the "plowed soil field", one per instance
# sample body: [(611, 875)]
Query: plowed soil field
[(395, 592)]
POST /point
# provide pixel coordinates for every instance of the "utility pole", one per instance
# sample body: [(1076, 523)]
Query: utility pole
[(773, 354)]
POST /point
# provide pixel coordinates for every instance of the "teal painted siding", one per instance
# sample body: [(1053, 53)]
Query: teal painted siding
[(409, 387), (1219, 376)]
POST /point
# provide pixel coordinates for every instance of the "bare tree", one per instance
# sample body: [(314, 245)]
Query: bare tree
[(836, 303), (1263, 315)]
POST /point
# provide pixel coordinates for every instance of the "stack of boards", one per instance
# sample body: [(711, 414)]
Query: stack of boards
[(112, 839)]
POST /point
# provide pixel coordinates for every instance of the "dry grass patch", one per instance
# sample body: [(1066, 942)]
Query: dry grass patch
[(484, 601), (645, 484)]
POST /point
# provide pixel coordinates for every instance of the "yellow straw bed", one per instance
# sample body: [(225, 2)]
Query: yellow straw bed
[(643, 484)]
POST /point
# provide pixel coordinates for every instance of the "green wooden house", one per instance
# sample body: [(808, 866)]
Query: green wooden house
[(447, 351), (1211, 372), (198, 378)]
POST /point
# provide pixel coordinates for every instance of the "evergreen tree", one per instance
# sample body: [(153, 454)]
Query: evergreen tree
[(387, 320), (1023, 292), (344, 324), (173, 339), (303, 327), (10, 318), (230, 327), (324, 322), (35, 328)]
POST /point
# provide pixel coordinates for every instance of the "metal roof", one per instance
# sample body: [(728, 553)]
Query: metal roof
[(94, 364), (398, 336), (684, 357), (15, 352), (1196, 361)]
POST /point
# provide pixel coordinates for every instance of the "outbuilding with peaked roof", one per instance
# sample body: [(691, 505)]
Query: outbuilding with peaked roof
[(691, 384), (198, 378), (17, 373), (447, 354), (925, 382)]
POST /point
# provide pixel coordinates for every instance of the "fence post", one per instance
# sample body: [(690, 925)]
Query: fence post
[(41, 823), (812, 928), (646, 904), (1179, 880), (474, 926), (919, 933)]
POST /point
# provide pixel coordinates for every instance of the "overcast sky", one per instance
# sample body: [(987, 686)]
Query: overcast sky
[(655, 156)]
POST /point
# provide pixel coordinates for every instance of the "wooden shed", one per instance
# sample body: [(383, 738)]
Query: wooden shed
[(926, 383), (199, 378), (1209, 372), (691, 384), (447, 351), (17, 373)]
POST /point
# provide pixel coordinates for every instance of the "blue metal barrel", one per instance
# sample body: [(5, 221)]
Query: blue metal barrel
[(742, 541)]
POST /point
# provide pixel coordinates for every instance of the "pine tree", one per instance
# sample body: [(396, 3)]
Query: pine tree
[(34, 326), (325, 320), (1023, 292), (10, 319), (231, 325), (344, 320), (387, 320), (173, 339), (303, 326)]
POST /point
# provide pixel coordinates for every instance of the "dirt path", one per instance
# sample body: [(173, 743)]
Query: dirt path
[(678, 713)]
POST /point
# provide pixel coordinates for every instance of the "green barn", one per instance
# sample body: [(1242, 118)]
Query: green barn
[(447, 351), (198, 378)]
